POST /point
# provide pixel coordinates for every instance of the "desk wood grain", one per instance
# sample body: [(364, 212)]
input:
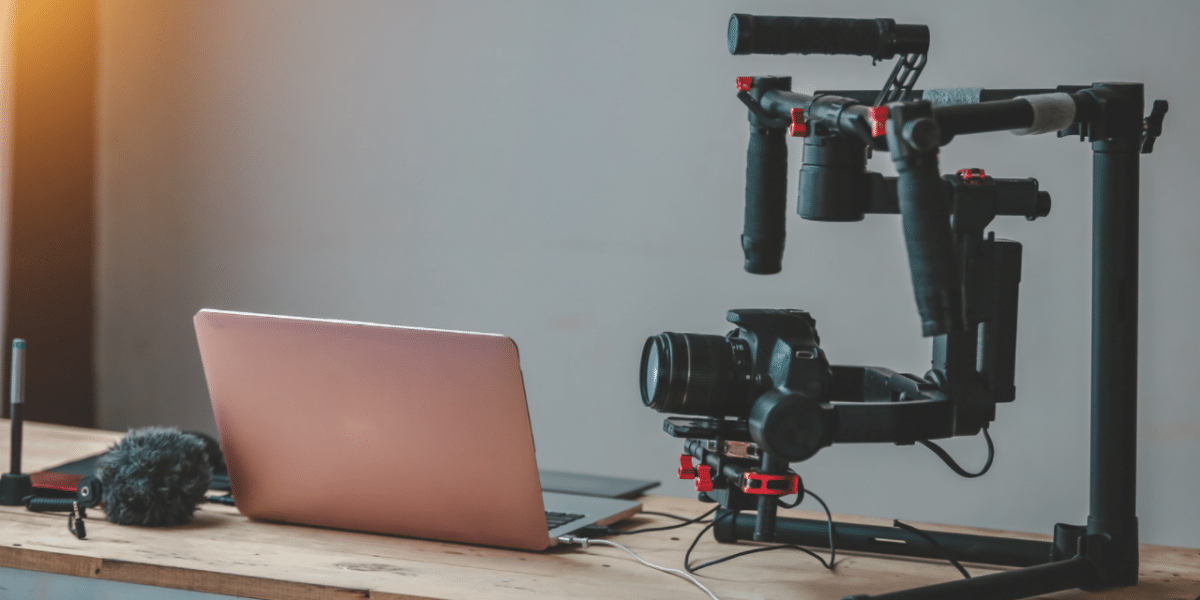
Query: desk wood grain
[(223, 552)]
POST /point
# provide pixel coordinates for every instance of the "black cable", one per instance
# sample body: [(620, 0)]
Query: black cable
[(828, 565), (942, 454), (799, 496), (669, 515), (710, 563), (829, 516), (799, 499), (687, 557), (929, 538), (685, 523), (226, 499)]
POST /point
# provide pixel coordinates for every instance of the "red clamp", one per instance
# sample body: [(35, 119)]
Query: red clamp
[(704, 482), (745, 83), (799, 127), (971, 174), (686, 471), (770, 485), (878, 116)]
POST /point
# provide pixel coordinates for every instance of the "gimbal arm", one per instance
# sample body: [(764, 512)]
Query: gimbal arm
[(913, 132), (789, 401)]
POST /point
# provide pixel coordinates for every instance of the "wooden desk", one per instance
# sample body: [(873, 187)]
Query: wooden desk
[(223, 552)]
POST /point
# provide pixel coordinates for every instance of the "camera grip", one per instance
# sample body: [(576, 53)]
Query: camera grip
[(766, 200), (878, 38), (929, 240)]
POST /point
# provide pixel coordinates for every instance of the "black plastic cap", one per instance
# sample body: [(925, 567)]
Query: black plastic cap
[(739, 34), (764, 263), (1043, 204), (14, 488)]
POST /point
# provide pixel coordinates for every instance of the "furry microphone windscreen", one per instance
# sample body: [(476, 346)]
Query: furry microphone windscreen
[(154, 476)]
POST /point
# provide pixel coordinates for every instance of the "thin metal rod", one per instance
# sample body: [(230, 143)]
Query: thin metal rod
[(16, 396), (854, 537)]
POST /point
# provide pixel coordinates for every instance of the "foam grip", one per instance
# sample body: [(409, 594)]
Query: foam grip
[(766, 200), (925, 217), (878, 38)]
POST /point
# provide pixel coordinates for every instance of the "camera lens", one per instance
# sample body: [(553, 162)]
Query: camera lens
[(694, 374)]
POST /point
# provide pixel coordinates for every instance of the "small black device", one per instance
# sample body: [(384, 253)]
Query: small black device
[(564, 482)]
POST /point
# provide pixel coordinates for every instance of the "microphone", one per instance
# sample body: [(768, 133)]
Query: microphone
[(154, 477)]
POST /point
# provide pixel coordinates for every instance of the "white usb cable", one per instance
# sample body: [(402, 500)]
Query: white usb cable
[(585, 542)]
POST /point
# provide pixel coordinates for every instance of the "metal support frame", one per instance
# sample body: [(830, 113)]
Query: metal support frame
[(1104, 553)]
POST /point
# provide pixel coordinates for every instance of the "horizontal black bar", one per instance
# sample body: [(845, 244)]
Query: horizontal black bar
[(996, 115), (779, 104), (985, 95), (890, 540), (1009, 585), (879, 38)]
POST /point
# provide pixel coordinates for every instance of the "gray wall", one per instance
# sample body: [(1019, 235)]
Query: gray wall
[(571, 174)]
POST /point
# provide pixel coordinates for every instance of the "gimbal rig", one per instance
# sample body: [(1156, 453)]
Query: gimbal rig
[(765, 395)]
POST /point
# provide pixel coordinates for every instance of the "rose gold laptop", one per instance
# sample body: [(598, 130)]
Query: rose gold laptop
[(397, 430)]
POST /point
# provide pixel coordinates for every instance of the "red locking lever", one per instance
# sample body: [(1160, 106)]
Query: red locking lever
[(763, 484), (704, 482), (686, 471)]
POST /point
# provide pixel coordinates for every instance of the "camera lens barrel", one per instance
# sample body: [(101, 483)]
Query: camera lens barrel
[(695, 374)]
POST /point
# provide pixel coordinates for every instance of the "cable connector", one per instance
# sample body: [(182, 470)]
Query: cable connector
[(570, 539)]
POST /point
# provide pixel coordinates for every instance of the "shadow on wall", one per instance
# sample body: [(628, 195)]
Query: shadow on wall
[(49, 292)]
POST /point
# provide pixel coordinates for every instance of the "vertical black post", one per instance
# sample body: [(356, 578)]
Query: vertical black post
[(16, 486), (1116, 146), (764, 523), (16, 396)]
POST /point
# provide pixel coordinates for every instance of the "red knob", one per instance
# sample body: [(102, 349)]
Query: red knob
[(704, 482), (878, 116), (685, 467), (745, 83), (799, 127), (969, 174)]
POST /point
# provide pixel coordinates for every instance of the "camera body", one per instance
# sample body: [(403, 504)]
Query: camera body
[(765, 380)]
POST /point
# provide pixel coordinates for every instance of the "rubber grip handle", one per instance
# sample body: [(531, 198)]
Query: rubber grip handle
[(877, 38), (929, 240), (766, 200)]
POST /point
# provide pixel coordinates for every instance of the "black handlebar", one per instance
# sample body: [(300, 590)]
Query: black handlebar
[(877, 38), (766, 186), (766, 200), (913, 137)]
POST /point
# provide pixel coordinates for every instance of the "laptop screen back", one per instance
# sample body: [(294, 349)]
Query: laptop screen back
[(397, 430)]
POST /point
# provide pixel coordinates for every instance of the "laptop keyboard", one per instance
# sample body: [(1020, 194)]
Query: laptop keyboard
[(556, 519)]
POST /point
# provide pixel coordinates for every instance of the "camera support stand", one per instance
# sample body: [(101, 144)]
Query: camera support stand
[(792, 402)]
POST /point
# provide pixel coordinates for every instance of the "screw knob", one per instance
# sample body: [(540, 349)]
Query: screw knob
[(1152, 126)]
